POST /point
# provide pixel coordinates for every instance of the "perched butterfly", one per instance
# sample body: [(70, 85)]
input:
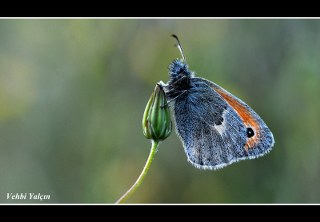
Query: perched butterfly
[(215, 127)]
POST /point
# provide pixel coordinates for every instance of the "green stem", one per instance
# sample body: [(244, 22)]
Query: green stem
[(143, 173)]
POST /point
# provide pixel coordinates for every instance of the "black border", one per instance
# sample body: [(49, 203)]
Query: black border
[(159, 9)]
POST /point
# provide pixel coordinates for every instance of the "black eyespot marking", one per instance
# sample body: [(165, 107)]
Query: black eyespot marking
[(250, 132), (219, 121)]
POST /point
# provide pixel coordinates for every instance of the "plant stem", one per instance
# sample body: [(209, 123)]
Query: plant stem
[(144, 172)]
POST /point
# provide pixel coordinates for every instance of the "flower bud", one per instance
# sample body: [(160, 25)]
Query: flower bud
[(156, 121)]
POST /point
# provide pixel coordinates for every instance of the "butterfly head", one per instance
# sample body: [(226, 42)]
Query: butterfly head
[(178, 69), (179, 72)]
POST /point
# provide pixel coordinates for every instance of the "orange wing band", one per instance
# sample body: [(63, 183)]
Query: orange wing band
[(247, 118)]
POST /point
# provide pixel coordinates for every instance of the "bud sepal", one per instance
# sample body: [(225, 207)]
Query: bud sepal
[(156, 121)]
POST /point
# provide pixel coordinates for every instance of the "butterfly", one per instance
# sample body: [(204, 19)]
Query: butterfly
[(215, 127)]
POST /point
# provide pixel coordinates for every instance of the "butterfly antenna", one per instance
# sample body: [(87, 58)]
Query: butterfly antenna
[(179, 47)]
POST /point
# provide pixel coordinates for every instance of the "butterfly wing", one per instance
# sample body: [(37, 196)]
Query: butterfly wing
[(215, 127), (261, 140)]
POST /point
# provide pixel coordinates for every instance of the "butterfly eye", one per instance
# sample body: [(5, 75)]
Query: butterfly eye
[(250, 132), (180, 71)]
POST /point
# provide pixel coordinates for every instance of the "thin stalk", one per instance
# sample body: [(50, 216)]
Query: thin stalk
[(144, 172)]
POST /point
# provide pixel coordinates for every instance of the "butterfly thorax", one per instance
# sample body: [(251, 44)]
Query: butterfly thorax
[(180, 76)]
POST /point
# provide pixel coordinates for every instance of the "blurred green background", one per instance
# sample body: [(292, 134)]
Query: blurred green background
[(72, 95)]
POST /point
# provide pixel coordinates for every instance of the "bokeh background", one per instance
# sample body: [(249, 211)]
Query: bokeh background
[(72, 95)]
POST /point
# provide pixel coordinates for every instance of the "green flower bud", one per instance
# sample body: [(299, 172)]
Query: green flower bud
[(156, 121)]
